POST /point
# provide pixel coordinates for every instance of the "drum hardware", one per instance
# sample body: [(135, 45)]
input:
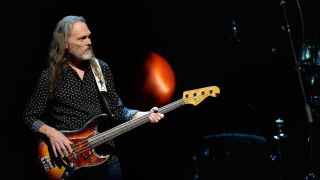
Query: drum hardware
[(311, 175), (310, 121), (308, 53), (311, 70), (310, 66), (196, 173), (279, 138)]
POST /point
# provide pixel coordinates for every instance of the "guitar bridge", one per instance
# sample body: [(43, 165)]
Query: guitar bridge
[(46, 162)]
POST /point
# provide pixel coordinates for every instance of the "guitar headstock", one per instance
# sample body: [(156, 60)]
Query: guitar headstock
[(196, 96)]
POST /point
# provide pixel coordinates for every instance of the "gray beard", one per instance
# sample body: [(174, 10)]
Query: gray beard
[(85, 57)]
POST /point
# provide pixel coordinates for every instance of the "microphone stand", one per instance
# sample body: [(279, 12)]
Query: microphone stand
[(310, 174)]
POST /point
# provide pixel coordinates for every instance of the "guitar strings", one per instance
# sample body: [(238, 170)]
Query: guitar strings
[(83, 145)]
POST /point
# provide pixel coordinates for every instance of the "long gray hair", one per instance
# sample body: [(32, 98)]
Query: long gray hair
[(57, 53)]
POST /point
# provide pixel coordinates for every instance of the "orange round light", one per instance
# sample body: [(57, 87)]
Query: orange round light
[(160, 82)]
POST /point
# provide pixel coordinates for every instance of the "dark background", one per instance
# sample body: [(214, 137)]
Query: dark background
[(255, 70)]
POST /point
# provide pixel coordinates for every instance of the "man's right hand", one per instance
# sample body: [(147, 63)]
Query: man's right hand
[(59, 142)]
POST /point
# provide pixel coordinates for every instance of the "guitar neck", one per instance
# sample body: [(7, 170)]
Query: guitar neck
[(129, 125)]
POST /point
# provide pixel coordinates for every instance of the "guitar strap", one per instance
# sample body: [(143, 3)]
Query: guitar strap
[(95, 66), (101, 83)]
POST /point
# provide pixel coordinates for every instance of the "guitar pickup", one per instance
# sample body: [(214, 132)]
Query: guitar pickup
[(74, 155)]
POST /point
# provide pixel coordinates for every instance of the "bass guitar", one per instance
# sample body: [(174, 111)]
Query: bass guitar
[(87, 138)]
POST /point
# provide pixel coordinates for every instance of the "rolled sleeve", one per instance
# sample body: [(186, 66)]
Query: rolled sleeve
[(129, 113), (36, 125)]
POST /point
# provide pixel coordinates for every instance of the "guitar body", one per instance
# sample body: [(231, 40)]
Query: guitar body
[(83, 155)]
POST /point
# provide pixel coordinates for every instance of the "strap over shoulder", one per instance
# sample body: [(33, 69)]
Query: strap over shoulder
[(95, 66)]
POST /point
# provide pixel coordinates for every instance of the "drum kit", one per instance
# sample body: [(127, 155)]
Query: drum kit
[(236, 155), (232, 155)]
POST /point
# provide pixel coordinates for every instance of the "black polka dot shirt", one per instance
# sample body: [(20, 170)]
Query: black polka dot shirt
[(74, 101)]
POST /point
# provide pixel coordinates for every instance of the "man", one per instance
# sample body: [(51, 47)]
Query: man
[(74, 89)]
